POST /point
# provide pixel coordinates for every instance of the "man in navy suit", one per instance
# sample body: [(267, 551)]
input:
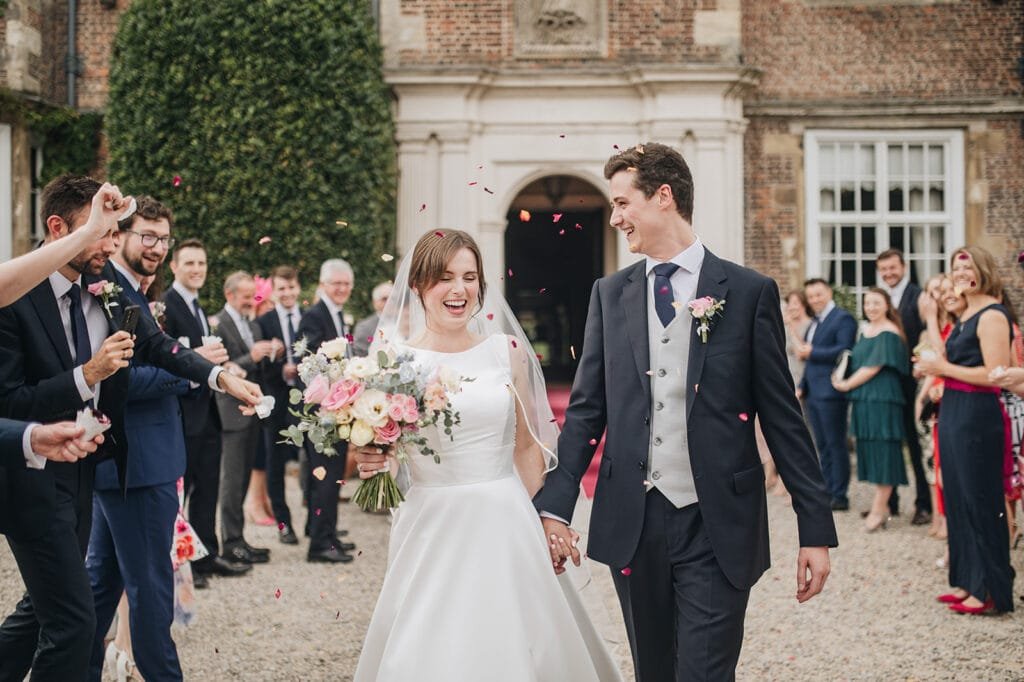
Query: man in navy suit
[(895, 276), (132, 532), (832, 331), (325, 321), (680, 498), (281, 375), (62, 349)]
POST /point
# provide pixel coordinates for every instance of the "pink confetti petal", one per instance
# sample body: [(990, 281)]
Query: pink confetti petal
[(524, 215), (744, 417), (473, 183), (490, 316), (556, 217), (562, 232), (317, 511), (593, 441), (423, 207), (542, 290), (280, 526), (963, 256), (174, 349), (176, 181), (627, 571), (320, 473), (514, 344), (438, 233), (277, 593), (510, 272), (578, 226), (264, 240)]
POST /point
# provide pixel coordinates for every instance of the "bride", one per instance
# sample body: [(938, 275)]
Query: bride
[(470, 592)]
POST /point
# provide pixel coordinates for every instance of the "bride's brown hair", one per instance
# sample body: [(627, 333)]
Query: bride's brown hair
[(432, 253)]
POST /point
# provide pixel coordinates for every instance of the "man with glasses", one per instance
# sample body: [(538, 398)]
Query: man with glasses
[(133, 532)]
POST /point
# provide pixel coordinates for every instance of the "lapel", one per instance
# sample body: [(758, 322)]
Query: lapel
[(710, 282), (228, 328), (174, 300), (633, 300), (45, 304)]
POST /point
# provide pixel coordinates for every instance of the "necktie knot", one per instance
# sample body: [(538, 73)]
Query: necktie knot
[(665, 269)]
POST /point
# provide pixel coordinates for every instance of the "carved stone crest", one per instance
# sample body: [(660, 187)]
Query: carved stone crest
[(560, 28)]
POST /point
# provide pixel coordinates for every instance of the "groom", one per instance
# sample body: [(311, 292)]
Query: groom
[(679, 513)]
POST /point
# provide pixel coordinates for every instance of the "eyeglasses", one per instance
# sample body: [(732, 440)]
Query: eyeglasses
[(151, 240)]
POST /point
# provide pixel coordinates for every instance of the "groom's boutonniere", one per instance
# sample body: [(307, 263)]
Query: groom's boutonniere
[(106, 292), (704, 310)]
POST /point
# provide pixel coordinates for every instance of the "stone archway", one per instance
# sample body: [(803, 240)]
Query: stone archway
[(552, 257)]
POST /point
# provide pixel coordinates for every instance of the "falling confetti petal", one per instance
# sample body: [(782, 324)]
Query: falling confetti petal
[(663, 290), (677, 305), (539, 356), (423, 207), (1020, 257), (317, 511), (264, 240), (337, 615), (562, 231), (542, 290), (578, 226), (963, 256), (341, 223), (593, 441), (488, 190), (176, 181), (514, 344), (174, 349), (277, 593), (387, 257), (340, 481), (562, 135), (438, 233), (744, 417), (556, 217), (696, 388), (472, 184), (280, 526), (627, 571), (615, 147), (490, 316), (572, 351), (524, 215), (510, 272), (319, 473)]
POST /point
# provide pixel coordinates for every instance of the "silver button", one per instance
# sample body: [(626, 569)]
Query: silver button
[(662, 372), (659, 406), (656, 475), (657, 440)]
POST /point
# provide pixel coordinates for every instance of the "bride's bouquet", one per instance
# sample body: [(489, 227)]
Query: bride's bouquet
[(385, 400)]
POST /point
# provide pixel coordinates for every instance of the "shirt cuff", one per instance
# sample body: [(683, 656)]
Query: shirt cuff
[(214, 373), (549, 515), (84, 391), (32, 460)]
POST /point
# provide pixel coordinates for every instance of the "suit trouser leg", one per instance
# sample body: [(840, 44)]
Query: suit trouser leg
[(237, 455), (828, 421), (323, 497), (51, 628), (276, 461), (202, 482), (683, 617), (142, 528), (106, 581)]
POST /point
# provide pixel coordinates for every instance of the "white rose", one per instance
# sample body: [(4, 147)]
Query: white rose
[(335, 348), (362, 368), (344, 432), (371, 407), (450, 379), (361, 434)]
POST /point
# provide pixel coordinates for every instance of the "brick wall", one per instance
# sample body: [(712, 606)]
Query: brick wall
[(962, 49), (1001, 150), (96, 29), (53, 72)]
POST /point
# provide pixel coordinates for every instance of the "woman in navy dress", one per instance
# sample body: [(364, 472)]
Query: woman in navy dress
[(973, 440)]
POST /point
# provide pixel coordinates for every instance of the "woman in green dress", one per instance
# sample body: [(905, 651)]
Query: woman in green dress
[(879, 362)]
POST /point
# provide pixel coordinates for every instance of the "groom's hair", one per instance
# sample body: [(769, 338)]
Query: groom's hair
[(432, 253), (66, 196), (653, 165)]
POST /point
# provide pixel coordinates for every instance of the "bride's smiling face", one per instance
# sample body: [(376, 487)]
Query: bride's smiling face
[(451, 301)]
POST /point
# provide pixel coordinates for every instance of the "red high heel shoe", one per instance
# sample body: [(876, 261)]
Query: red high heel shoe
[(951, 598), (989, 605)]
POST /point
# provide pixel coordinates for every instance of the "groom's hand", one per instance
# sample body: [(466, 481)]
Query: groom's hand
[(813, 561), (562, 541)]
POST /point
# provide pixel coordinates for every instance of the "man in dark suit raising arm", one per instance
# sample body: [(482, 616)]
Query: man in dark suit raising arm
[(680, 513)]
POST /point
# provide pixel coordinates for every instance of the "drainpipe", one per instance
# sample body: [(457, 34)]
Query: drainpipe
[(71, 62)]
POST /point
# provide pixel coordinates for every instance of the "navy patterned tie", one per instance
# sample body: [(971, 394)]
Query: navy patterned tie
[(663, 292), (200, 317), (79, 329)]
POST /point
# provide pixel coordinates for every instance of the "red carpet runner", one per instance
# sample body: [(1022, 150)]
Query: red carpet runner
[(558, 395)]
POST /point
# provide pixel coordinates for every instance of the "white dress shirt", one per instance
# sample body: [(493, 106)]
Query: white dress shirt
[(896, 292), (189, 297), (32, 460), (334, 310), (95, 322), (684, 288)]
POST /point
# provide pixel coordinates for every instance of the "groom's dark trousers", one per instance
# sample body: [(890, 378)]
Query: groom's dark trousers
[(690, 569)]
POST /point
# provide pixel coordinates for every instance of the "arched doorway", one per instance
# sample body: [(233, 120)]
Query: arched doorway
[(552, 258)]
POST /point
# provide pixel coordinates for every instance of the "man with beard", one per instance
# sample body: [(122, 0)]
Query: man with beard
[(62, 349), (132, 532)]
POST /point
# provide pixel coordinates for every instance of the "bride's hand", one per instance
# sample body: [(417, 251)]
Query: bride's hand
[(562, 541), (370, 460)]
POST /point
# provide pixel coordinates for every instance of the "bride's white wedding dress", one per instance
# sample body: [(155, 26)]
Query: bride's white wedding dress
[(469, 592)]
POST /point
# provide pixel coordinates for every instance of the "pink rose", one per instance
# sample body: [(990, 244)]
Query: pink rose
[(402, 408), (317, 390), (96, 288), (699, 306), (434, 397), (388, 433), (343, 394)]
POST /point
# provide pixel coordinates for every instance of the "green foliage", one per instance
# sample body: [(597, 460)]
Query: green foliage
[(70, 139), (846, 298), (275, 116)]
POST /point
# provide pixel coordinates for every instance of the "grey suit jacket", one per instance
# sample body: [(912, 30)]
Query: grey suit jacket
[(239, 352)]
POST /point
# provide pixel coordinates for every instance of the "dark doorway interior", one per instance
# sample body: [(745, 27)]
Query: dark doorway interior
[(553, 267)]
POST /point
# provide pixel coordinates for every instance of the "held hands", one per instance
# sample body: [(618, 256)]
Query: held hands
[(245, 391), (62, 442), (812, 569), (114, 354), (562, 541), (371, 460), (214, 352)]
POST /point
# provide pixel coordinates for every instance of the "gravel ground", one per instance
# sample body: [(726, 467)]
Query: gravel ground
[(877, 619)]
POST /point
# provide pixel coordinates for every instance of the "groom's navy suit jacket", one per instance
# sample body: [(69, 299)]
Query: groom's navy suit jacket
[(37, 383), (740, 372)]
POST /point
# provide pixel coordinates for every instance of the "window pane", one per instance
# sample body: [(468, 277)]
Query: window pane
[(915, 165), (916, 196), (895, 159), (917, 244), (867, 196), (936, 197), (917, 272), (827, 160), (936, 159), (828, 270), (846, 202), (896, 237), (828, 199), (867, 240), (849, 272), (867, 160), (896, 196), (938, 239), (867, 273), (828, 239), (846, 160), (849, 239)]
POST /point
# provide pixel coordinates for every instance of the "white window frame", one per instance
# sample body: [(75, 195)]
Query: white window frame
[(953, 141), (6, 188)]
